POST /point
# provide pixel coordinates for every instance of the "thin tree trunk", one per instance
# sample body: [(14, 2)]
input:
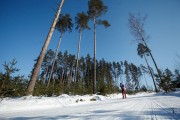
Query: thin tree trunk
[(45, 74), (71, 75), (31, 85), (145, 80), (151, 73), (3, 84), (152, 57), (54, 78), (79, 42), (155, 65), (70, 78), (61, 81), (94, 82), (54, 60)]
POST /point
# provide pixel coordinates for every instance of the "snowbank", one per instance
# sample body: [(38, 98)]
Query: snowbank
[(33, 102)]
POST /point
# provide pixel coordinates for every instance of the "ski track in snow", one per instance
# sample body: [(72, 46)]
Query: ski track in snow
[(136, 107)]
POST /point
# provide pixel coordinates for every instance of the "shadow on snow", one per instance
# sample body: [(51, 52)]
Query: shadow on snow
[(109, 114)]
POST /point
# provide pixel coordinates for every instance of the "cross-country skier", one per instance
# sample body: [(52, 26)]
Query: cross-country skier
[(123, 88)]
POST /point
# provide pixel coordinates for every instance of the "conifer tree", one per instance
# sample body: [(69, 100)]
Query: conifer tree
[(96, 10)]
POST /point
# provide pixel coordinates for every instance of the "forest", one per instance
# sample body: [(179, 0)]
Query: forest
[(63, 77)]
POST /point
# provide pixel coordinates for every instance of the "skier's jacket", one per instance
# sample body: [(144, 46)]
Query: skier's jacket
[(122, 87)]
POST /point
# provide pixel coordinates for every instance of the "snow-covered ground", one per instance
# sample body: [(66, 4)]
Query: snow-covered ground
[(112, 107)]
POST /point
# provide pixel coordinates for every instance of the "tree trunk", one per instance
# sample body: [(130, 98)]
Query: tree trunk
[(151, 73), (145, 80), (94, 82), (31, 85), (76, 78), (152, 58), (155, 65), (54, 78), (3, 84), (61, 81), (54, 60), (71, 75), (44, 79)]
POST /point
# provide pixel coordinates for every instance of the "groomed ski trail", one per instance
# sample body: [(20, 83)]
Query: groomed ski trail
[(148, 107)]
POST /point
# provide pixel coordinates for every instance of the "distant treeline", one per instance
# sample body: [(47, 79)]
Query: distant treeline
[(63, 80)]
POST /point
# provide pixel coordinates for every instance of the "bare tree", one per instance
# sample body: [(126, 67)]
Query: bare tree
[(136, 25)]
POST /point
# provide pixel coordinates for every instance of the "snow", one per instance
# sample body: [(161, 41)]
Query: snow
[(92, 107)]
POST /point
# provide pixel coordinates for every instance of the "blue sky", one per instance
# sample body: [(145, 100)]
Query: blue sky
[(24, 25)]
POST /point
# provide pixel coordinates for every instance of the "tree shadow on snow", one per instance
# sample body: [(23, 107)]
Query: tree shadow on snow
[(156, 113)]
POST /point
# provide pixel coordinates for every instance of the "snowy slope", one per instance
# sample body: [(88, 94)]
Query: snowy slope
[(112, 107)]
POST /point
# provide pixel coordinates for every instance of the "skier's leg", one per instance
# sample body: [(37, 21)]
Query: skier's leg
[(123, 94)]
